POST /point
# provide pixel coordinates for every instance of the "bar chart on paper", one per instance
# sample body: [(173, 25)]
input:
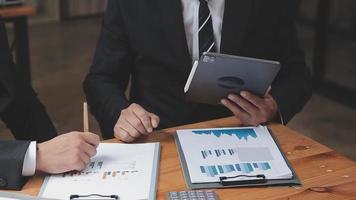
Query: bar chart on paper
[(107, 175), (216, 170), (218, 152), (238, 133), (212, 153), (117, 169), (96, 165)]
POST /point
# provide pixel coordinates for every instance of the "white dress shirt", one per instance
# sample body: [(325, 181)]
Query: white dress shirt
[(29, 162), (191, 23)]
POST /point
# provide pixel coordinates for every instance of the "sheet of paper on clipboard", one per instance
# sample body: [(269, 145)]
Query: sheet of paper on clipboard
[(118, 171), (243, 153)]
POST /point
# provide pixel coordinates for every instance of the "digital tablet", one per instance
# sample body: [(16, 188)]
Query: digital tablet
[(215, 76)]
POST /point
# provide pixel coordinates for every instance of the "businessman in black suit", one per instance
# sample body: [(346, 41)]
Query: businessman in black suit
[(155, 43), (36, 146)]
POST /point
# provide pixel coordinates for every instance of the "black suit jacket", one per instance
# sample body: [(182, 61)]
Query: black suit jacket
[(12, 155), (146, 39), (23, 114)]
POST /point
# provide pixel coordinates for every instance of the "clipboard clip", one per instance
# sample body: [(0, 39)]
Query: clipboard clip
[(256, 179), (75, 196)]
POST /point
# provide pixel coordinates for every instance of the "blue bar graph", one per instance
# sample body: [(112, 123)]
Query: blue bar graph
[(100, 164), (239, 133), (218, 153), (212, 170), (92, 164), (238, 168), (202, 169), (96, 165)]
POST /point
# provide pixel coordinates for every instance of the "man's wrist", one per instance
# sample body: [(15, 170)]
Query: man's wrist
[(39, 158)]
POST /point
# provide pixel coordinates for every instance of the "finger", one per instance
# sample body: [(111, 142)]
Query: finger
[(130, 129), (238, 112), (244, 104), (135, 121), (85, 161), (232, 107), (255, 100), (144, 117), (123, 135), (269, 97), (91, 138), (88, 149), (79, 164), (154, 120)]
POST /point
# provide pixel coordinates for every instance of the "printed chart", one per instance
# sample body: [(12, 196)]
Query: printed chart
[(215, 170), (212, 153), (119, 169)]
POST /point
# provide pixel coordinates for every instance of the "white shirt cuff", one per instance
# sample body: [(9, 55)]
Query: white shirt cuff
[(29, 163)]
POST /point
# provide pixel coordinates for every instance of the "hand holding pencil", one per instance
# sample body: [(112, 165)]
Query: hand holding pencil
[(68, 152)]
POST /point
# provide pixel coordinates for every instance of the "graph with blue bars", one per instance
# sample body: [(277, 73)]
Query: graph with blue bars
[(216, 170), (239, 133), (218, 153)]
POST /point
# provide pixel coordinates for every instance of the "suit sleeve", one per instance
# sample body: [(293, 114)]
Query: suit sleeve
[(6, 83), (12, 154), (108, 77), (20, 107), (292, 87)]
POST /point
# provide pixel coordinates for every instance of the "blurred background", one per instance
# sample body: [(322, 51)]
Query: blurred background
[(62, 35)]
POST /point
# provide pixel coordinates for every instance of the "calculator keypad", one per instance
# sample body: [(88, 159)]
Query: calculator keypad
[(193, 195)]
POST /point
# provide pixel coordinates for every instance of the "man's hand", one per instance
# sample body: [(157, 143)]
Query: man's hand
[(67, 152), (251, 109), (133, 122)]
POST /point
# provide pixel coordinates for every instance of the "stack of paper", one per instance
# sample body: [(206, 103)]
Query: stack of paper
[(213, 153)]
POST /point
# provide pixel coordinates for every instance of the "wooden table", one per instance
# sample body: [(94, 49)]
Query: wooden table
[(324, 173), (18, 15)]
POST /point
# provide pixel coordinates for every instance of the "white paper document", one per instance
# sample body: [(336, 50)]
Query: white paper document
[(18, 196), (126, 170), (213, 153)]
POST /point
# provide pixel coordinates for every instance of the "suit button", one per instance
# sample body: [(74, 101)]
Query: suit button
[(3, 182)]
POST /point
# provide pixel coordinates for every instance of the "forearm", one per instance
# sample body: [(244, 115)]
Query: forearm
[(108, 78), (106, 102)]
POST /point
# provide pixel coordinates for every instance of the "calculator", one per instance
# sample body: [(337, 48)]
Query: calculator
[(193, 195)]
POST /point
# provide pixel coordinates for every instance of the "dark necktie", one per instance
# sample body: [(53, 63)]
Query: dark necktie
[(206, 33)]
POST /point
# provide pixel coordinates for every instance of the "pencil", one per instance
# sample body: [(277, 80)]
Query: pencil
[(85, 117)]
